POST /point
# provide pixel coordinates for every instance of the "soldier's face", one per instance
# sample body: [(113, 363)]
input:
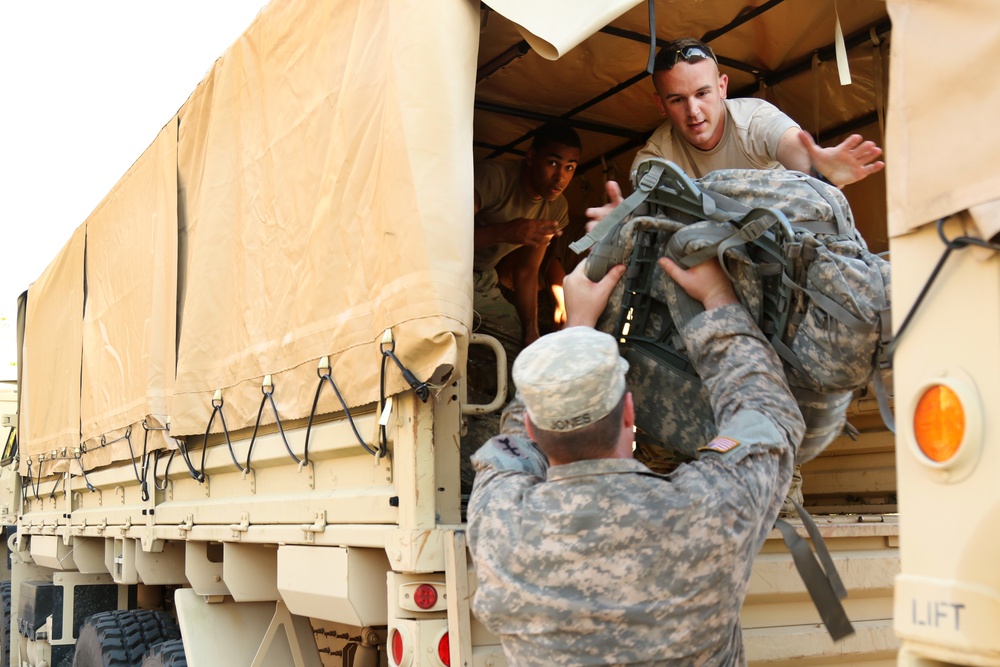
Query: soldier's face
[(690, 94), (550, 169)]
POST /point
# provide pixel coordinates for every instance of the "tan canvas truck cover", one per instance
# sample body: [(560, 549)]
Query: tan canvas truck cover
[(940, 130), (342, 212)]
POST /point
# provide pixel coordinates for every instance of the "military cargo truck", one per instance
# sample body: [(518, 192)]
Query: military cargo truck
[(243, 377)]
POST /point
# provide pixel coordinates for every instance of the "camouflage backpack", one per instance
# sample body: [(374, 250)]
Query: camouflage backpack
[(798, 264)]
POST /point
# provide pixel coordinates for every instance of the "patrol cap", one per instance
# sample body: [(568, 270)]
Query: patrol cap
[(571, 378)]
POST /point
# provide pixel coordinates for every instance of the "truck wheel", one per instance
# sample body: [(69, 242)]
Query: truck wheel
[(167, 654), (121, 638), (5, 624)]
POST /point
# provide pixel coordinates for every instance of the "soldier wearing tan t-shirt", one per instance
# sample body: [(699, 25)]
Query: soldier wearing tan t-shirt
[(704, 131), (751, 134), (519, 207)]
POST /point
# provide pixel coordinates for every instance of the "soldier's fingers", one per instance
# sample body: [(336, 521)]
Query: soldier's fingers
[(597, 213), (670, 266), (874, 167), (614, 192), (851, 141), (580, 270), (613, 276)]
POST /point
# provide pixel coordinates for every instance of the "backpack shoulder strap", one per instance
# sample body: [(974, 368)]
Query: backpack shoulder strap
[(838, 210), (664, 183), (646, 184)]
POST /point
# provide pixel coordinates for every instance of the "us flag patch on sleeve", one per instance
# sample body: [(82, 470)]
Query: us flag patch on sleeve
[(720, 444)]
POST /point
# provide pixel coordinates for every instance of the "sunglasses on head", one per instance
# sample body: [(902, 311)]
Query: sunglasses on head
[(692, 53)]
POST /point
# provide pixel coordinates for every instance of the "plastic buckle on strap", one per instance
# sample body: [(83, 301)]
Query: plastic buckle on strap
[(651, 178)]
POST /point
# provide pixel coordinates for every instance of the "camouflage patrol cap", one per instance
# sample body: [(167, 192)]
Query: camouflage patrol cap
[(571, 378)]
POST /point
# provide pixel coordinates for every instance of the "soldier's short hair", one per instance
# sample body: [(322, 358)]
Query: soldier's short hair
[(590, 442), (556, 132)]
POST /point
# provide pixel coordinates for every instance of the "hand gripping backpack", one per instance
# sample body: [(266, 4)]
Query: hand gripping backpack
[(798, 265)]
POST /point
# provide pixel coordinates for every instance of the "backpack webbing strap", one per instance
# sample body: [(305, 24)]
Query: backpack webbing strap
[(820, 576), (753, 226), (786, 353), (832, 308), (821, 410), (729, 209), (715, 236), (727, 204), (882, 398), (817, 226), (620, 212), (736, 209), (838, 210)]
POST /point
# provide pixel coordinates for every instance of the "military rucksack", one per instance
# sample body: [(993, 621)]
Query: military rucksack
[(798, 264)]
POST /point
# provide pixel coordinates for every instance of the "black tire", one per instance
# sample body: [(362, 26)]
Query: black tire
[(121, 638), (167, 654), (5, 624)]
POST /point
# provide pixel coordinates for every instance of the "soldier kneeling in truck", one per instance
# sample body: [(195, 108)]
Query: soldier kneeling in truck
[(585, 556)]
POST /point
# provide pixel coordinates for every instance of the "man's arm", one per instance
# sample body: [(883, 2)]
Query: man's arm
[(526, 263), (739, 368), (521, 231), (850, 161), (512, 450)]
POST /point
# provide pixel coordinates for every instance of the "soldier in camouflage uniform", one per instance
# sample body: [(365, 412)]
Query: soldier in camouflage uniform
[(584, 556)]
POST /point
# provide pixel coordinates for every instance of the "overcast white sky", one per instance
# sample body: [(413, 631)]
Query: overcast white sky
[(85, 86)]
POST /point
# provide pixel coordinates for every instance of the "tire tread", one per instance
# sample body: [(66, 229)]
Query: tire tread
[(167, 654), (121, 638)]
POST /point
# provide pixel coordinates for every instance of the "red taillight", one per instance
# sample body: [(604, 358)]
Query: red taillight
[(397, 647), (444, 650), (426, 596)]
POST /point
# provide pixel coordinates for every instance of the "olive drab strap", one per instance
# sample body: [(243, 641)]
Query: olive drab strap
[(620, 212), (819, 573), (661, 183)]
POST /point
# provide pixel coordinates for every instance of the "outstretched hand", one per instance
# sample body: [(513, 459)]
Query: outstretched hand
[(706, 282), (533, 232), (597, 213), (848, 162), (585, 299)]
